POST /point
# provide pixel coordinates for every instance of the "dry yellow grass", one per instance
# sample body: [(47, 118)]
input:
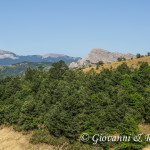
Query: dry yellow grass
[(1, 67), (131, 63), (11, 140), (145, 129), (147, 147)]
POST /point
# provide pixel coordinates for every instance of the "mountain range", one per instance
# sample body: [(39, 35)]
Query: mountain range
[(9, 58), (98, 54), (12, 64)]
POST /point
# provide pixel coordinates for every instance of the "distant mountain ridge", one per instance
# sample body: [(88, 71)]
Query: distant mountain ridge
[(98, 54), (9, 58), (20, 68)]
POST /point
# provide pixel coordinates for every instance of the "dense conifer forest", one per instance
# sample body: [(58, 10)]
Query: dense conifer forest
[(60, 105)]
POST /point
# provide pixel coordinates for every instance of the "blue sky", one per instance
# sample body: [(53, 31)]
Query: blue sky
[(74, 27)]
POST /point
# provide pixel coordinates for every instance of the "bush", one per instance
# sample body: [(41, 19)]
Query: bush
[(119, 59), (97, 67), (28, 115), (138, 55), (100, 63), (43, 136)]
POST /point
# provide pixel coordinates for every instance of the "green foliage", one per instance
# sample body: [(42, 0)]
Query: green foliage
[(97, 67), (100, 63), (138, 55), (121, 59), (124, 69), (28, 114), (135, 98), (20, 68), (43, 136), (130, 129), (124, 59), (61, 104), (129, 126), (58, 69)]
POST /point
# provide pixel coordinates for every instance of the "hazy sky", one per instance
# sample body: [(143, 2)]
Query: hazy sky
[(74, 27)]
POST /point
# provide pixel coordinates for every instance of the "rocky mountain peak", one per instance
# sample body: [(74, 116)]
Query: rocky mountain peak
[(98, 54)]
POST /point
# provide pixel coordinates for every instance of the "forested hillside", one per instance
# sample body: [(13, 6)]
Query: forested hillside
[(20, 68), (61, 104)]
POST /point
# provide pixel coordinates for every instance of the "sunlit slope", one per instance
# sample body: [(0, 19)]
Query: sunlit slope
[(135, 63), (11, 140)]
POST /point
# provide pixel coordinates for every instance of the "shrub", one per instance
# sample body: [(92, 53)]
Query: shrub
[(138, 55), (119, 59), (100, 63), (97, 67), (43, 136)]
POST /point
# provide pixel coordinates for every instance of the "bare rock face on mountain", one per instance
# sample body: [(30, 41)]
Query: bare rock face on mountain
[(98, 54)]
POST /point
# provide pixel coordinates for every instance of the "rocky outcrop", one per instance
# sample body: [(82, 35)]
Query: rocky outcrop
[(98, 54)]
